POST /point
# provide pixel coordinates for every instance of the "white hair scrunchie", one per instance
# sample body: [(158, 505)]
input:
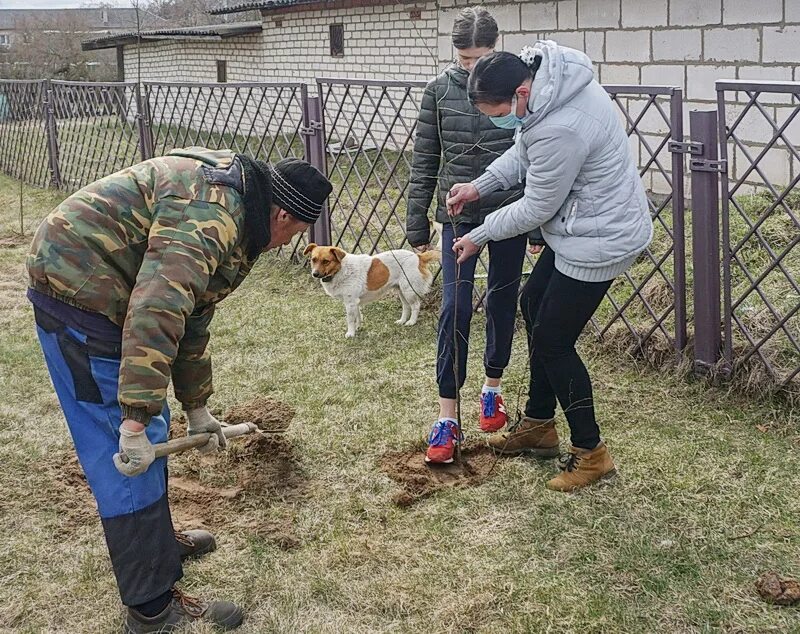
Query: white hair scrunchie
[(528, 55)]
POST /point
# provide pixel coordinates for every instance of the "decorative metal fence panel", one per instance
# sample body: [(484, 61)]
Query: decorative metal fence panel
[(95, 129), (260, 120), (369, 131), (369, 134), (361, 133), (761, 226), (650, 299), (23, 136)]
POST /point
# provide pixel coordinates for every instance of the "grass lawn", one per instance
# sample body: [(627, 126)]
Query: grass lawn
[(706, 499)]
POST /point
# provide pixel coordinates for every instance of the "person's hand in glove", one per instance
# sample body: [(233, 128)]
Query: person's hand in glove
[(134, 443), (200, 422)]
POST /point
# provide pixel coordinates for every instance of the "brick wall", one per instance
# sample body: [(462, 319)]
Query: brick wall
[(632, 41), (686, 43), (379, 42), (185, 60)]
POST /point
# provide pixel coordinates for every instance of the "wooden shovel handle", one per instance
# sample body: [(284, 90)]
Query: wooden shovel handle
[(178, 445)]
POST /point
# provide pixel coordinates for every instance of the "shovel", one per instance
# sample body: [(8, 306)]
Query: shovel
[(177, 445)]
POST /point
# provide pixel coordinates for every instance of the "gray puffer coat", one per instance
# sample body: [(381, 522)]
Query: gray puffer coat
[(582, 182), (450, 129)]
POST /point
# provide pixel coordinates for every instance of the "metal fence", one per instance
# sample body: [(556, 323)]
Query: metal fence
[(369, 130), (68, 134), (260, 120), (92, 130), (650, 299), (23, 139), (361, 133), (760, 228)]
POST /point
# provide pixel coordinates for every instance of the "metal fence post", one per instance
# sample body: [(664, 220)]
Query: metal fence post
[(705, 168), (52, 135), (143, 123), (727, 310), (678, 221), (313, 132)]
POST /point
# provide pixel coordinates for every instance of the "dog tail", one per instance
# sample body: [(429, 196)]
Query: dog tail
[(429, 256), (426, 258)]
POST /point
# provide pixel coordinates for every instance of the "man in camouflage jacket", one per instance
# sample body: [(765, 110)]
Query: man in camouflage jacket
[(124, 277)]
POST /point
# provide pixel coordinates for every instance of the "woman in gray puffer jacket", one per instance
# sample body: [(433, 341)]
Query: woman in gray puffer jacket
[(582, 187), (454, 143)]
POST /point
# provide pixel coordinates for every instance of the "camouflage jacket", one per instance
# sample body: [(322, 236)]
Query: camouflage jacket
[(153, 247)]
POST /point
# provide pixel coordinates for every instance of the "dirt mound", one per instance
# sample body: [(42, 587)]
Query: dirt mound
[(779, 591), (268, 414), (71, 493), (419, 480), (246, 487)]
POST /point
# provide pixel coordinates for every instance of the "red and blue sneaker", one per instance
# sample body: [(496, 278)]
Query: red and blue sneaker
[(442, 442), (493, 412)]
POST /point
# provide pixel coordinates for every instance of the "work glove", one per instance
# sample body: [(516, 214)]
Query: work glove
[(137, 448), (201, 422)]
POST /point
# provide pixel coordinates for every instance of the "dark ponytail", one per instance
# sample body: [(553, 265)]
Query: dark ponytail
[(496, 77)]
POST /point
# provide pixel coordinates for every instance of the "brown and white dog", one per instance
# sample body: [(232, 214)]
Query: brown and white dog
[(360, 279)]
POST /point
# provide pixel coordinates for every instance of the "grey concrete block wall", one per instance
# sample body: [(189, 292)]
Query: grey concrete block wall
[(380, 42), (687, 43)]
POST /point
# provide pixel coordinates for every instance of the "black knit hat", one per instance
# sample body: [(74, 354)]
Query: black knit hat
[(299, 188)]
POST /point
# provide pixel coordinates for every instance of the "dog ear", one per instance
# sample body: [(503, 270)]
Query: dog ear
[(338, 254), (309, 248)]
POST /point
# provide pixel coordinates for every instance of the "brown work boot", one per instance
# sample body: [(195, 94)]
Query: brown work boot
[(582, 467), (182, 610), (195, 543), (530, 435)]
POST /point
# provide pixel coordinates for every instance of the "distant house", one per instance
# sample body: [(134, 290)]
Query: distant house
[(169, 54), (38, 43), (293, 41)]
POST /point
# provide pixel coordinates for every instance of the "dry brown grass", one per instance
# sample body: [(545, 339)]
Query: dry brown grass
[(705, 502)]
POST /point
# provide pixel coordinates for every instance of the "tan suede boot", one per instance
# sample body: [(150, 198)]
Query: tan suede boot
[(530, 435), (582, 467)]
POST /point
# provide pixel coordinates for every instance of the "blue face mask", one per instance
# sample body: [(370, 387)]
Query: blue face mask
[(509, 121)]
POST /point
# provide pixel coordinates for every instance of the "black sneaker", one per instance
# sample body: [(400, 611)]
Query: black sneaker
[(196, 543), (182, 610)]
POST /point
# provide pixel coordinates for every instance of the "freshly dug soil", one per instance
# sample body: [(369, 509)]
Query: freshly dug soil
[(268, 414), (419, 480), (73, 498), (227, 490)]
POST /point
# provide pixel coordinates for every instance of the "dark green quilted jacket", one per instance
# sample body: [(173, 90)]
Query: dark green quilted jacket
[(455, 143)]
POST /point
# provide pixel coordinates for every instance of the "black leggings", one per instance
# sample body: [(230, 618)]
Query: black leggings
[(556, 308)]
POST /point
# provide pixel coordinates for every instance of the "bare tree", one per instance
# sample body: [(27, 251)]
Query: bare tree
[(49, 46), (195, 12)]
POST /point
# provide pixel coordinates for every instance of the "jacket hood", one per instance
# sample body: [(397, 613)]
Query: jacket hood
[(564, 72)]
